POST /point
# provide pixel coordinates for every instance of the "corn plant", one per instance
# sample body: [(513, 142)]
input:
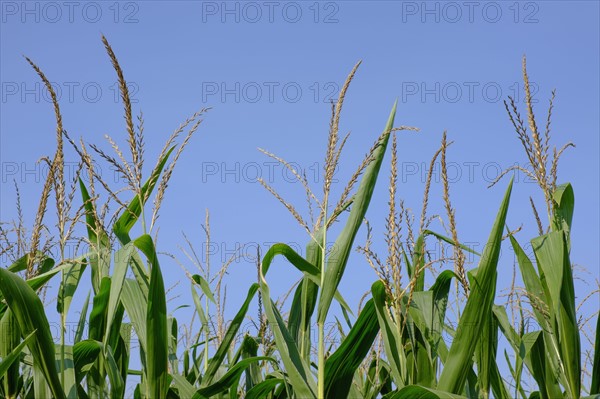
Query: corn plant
[(393, 348)]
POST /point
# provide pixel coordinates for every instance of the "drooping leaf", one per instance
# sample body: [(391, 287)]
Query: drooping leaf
[(263, 389), (564, 198), (418, 392), (29, 313), (85, 353), (231, 377)]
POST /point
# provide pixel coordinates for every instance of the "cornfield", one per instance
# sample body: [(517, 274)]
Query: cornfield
[(401, 343)]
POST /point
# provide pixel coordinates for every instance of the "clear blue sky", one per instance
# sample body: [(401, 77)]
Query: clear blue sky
[(268, 69)]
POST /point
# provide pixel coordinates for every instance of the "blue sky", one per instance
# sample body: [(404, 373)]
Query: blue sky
[(268, 69)]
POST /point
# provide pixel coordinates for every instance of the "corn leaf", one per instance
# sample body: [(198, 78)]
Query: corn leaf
[(264, 388), (551, 252), (157, 347), (68, 372), (298, 374), (135, 304), (336, 264), (230, 378), (204, 286), (122, 258), (478, 309), (12, 357), (127, 220), (418, 392), (11, 339), (595, 387), (117, 385), (90, 220), (217, 360), (186, 390), (391, 339), (85, 353), (564, 198), (29, 313), (82, 316), (341, 366)]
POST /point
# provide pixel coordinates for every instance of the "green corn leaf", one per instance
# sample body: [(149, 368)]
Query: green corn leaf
[(11, 339), (249, 349), (478, 309), (418, 261), (135, 304), (217, 360), (264, 388), (305, 301), (498, 387), (539, 294), (450, 241), (391, 339), (68, 373), (20, 264), (292, 256), (305, 297), (173, 362), (13, 357), (418, 392), (199, 308), (298, 374), (186, 390), (29, 313), (543, 372), (428, 311), (312, 272), (130, 215), (117, 386), (85, 354), (336, 264), (157, 346), (99, 260), (485, 357), (564, 198), (521, 345), (97, 322), (204, 286), (419, 360), (122, 258), (90, 220), (123, 350), (98, 314), (230, 378), (82, 317), (535, 290), (552, 255), (40, 386), (36, 282), (595, 387), (341, 366)]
